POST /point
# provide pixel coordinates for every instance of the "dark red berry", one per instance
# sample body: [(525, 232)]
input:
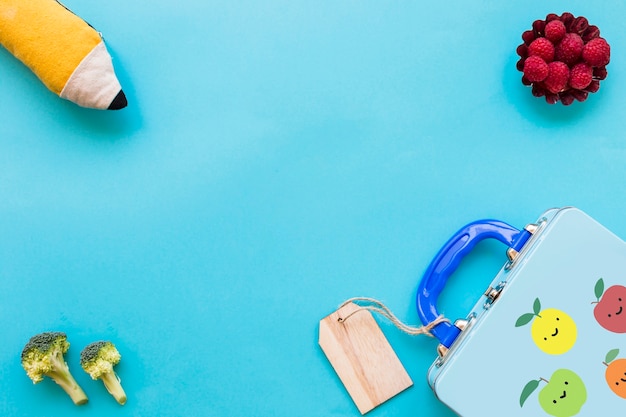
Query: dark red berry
[(535, 69), (555, 30), (558, 75), (563, 58), (580, 76), (542, 48), (569, 49), (597, 52)]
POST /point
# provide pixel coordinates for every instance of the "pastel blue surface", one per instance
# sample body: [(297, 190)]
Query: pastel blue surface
[(276, 159)]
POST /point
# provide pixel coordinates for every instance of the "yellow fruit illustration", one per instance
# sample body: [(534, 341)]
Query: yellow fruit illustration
[(553, 330)]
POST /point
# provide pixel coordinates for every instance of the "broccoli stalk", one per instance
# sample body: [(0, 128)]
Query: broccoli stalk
[(113, 385), (43, 356), (98, 359)]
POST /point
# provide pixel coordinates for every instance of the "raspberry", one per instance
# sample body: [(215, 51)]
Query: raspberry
[(563, 58), (555, 30), (580, 76), (542, 48), (535, 69), (558, 75), (569, 49), (597, 52)]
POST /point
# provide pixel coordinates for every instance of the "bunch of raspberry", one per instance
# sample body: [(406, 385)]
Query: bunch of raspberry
[(563, 58)]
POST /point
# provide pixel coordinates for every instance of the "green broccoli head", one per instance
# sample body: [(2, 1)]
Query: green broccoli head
[(43, 356), (98, 359)]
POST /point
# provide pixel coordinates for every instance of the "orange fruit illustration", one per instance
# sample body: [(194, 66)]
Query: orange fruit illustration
[(616, 373)]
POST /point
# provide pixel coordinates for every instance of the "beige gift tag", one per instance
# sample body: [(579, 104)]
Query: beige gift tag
[(362, 357)]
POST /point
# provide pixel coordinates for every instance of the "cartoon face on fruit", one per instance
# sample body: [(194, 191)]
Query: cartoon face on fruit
[(615, 374), (553, 331), (563, 396), (610, 309)]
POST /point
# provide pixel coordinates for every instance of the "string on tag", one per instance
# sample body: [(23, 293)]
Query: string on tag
[(378, 307)]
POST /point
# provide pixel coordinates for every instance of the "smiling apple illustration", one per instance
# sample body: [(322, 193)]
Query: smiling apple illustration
[(610, 309), (553, 331), (563, 396), (615, 373)]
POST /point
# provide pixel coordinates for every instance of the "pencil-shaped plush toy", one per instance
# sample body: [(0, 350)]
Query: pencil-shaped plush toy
[(67, 54)]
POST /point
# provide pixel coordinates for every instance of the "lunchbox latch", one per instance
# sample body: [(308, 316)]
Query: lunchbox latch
[(492, 294)]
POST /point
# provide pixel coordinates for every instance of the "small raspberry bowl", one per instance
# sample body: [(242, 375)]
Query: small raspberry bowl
[(563, 58)]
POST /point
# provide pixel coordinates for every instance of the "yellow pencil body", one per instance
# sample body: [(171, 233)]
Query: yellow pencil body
[(67, 54)]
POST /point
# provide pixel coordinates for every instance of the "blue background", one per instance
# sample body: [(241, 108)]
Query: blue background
[(276, 159)]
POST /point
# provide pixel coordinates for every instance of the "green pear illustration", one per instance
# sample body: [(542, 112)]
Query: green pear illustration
[(563, 396)]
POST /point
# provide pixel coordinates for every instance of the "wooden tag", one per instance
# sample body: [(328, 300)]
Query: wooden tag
[(362, 357)]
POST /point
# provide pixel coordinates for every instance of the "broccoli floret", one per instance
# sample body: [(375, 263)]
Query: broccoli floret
[(98, 359), (43, 356)]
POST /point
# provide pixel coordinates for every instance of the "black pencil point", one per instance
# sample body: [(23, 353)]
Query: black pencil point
[(119, 102)]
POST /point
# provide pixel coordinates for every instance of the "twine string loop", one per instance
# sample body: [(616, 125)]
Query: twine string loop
[(375, 306)]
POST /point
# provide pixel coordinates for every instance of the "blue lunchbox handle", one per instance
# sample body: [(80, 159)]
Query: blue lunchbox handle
[(447, 261)]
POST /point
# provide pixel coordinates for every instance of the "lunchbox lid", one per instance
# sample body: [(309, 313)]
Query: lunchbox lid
[(556, 327)]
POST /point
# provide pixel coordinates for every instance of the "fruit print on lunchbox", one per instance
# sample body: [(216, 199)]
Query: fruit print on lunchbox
[(553, 331), (548, 336), (610, 307)]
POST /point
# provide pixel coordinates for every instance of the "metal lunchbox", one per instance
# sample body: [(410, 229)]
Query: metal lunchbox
[(548, 337)]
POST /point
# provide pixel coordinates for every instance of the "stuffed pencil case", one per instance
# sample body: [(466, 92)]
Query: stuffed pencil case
[(548, 336), (65, 52)]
